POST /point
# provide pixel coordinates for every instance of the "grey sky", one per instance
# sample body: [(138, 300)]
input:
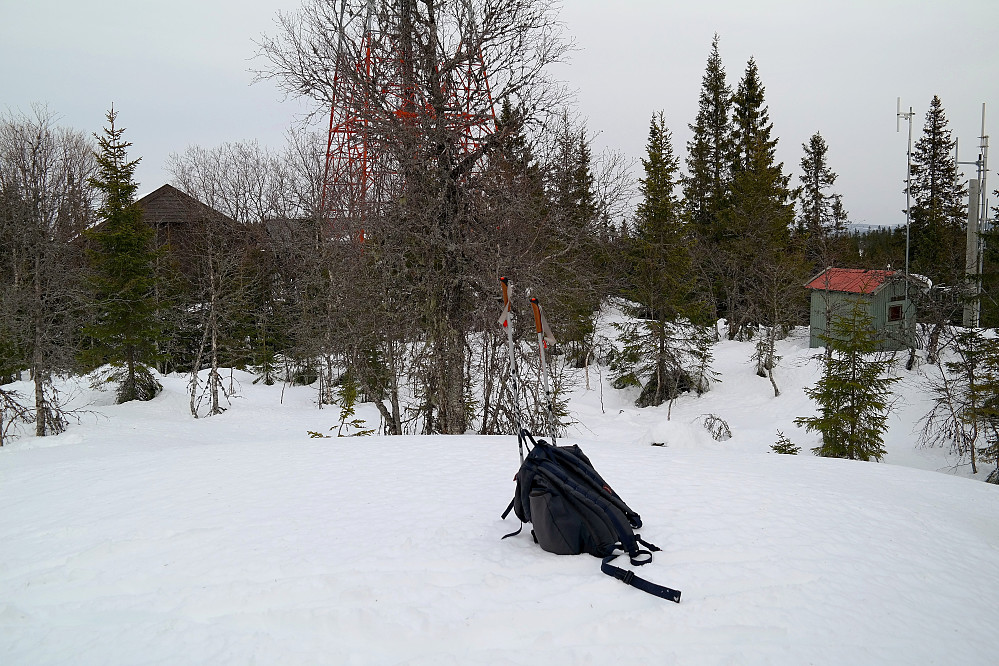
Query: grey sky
[(178, 72)]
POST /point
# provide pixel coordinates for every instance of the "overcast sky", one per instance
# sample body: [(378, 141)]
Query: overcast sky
[(179, 74)]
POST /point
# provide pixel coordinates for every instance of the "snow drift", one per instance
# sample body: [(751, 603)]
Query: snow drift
[(144, 536)]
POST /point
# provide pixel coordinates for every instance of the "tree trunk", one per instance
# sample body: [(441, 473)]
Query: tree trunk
[(933, 343), (40, 410), (195, 369), (129, 391), (38, 371), (449, 352), (213, 378)]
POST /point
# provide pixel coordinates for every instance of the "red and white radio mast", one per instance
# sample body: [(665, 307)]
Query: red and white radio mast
[(357, 168)]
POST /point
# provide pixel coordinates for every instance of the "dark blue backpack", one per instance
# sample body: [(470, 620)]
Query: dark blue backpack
[(573, 510)]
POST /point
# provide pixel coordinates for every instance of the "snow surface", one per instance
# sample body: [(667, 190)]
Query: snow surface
[(143, 536)]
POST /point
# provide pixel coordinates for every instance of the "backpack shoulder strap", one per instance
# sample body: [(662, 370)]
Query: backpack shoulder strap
[(629, 578), (574, 460)]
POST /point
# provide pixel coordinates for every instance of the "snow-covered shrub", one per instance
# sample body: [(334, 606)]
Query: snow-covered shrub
[(717, 427)]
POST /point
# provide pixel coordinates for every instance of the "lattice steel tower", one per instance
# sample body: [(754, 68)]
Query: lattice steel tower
[(373, 84)]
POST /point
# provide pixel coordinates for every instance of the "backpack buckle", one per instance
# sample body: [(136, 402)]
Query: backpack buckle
[(628, 577)]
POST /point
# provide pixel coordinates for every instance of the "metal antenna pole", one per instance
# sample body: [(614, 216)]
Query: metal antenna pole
[(983, 211), (899, 115), (984, 157), (977, 221)]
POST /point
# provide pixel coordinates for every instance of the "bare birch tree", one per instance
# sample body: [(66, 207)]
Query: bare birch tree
[(236, 182), (43, 172)]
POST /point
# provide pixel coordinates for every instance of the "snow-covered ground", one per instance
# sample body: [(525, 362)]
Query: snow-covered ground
[(144, 536)]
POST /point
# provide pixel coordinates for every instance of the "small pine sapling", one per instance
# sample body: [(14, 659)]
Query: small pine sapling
[(562, 384), (784, 445), (346, 401)]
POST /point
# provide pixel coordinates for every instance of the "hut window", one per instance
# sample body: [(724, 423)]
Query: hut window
[(894, 313)]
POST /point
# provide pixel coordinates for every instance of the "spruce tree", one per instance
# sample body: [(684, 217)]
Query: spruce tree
[(756, 172), (121, 255), (987, 387), (709, 176), (937, 225), (757, 221), (573, 243), (822, 211), (751, 126), (820, 228), (709, 151), (990, 272), (853, 392), (938, 214), (974, 381), (514, 151), (662, 347), (658, 214), (965, 413)]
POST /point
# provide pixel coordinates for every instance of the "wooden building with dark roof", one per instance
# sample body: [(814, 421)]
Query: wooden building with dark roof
[(178, 219)]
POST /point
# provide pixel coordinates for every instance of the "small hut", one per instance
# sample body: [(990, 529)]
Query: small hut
[(834, 290)]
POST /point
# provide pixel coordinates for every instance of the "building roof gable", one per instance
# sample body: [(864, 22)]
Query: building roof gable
[(172, 206), (850, 280)]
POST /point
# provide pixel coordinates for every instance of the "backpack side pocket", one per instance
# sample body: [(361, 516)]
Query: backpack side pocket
[(557, 527)]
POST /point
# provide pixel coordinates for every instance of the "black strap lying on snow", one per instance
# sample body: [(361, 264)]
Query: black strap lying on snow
[(629, 578), (505, 536)]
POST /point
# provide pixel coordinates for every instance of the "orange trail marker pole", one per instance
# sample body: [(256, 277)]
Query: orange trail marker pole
[(506, 321), (545, 338)]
